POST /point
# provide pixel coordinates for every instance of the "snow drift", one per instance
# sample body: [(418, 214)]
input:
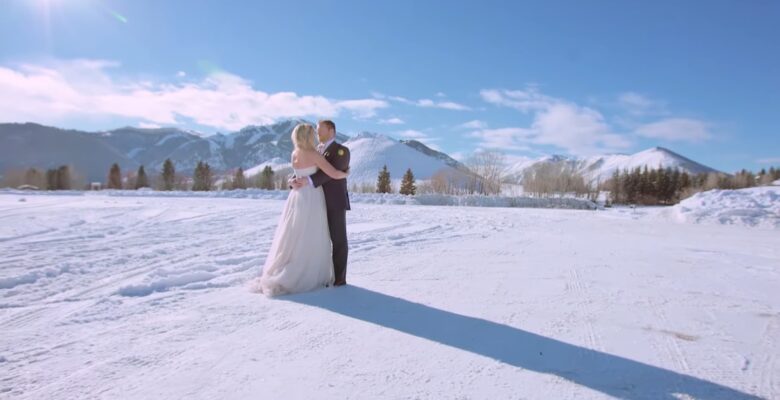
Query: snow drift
[(759, 207)]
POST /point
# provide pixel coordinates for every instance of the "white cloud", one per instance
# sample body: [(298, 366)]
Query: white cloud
[(440, 94), (391, 121), (638, 105), (181, 74), (85, 89), (676, 129), (147, 125), (412, 134), (522, 100), (557, 122), (473, 124), (424, 103), (775, 160), (459, 155), (506, 139)]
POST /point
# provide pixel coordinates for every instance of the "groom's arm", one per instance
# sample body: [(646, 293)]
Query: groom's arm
[(340, 162)]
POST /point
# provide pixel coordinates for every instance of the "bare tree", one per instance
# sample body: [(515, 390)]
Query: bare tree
[(549, 179), (488, 168)]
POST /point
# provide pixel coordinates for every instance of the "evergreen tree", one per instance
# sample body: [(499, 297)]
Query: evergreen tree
[(383, 181), (407, 184), (239, 181), (115, 177), (674, 185), (51, 179), (63, 178), (168, 175), (141, 180), (197, 177), (207, 177), (665, 190), (266, 178), (202, 177)]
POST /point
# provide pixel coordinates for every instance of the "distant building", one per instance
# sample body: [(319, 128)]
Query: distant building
[(95, 186), (28, 187)]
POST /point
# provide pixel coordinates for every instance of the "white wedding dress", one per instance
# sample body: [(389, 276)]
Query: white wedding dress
[(300, 258)]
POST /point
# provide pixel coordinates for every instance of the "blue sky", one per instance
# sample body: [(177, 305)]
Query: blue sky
[(527, 78)]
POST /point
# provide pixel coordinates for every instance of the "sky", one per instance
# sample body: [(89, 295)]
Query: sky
[(526, 78)]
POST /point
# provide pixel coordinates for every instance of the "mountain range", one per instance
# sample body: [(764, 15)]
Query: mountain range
[(600, 168), (24, 145)]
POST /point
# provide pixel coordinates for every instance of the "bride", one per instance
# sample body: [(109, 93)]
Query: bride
[(300, 256)]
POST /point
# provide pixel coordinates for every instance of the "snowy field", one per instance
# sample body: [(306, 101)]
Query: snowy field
[(108, 297)]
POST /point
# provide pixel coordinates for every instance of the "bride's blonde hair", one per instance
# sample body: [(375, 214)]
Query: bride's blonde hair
[(303, 137)]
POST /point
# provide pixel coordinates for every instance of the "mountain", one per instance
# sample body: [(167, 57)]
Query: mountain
[(601, 168), (252, 148), (369, 152)]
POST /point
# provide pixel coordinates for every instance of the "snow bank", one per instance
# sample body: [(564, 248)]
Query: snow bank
[(776, 183), (358, 198), (759, 206)]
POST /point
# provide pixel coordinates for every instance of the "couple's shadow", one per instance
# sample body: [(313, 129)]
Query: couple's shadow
[(609, 374)]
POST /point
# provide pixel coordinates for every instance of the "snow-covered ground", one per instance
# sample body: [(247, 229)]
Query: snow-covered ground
[(145, 298), (758, 206)]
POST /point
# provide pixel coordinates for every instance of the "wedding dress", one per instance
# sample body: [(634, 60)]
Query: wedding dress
[(300, 257)]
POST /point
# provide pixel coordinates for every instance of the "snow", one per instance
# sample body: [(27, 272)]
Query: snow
[(601, 168), (776, 183), (365, 198), (276, 164), (134, 152), (758, 206), (369, 152), (126, 297), (166, 138)]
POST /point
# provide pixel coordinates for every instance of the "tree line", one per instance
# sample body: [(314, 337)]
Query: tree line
[(485, 175), (664, 186)]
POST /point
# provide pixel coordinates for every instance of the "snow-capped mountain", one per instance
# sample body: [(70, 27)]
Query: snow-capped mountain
[(369, 152), (251, 148), (601, 168)]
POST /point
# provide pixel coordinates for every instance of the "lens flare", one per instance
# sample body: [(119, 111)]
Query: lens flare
[(121, 18)]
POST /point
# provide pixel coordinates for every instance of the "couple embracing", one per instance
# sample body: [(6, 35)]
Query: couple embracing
[(309, 248)]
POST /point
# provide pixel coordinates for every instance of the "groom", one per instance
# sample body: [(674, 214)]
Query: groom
[(336, 197)]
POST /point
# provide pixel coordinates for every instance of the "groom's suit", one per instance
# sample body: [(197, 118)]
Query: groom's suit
[(337, 204)]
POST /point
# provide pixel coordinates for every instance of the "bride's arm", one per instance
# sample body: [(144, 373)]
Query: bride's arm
[(328, 169)]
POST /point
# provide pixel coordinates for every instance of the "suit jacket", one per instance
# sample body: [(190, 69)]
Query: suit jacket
[(336, 196)]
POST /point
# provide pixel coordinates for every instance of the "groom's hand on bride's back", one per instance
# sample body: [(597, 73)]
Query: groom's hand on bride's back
[(293, 183)]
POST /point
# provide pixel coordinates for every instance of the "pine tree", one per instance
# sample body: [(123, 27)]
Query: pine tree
[(407, 184), (63, 178), (51, 179), (239, 181), (207, 177), (202, 177), (141, 180), (383, 181), (115, 177), (266, 178), (168, 175)]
